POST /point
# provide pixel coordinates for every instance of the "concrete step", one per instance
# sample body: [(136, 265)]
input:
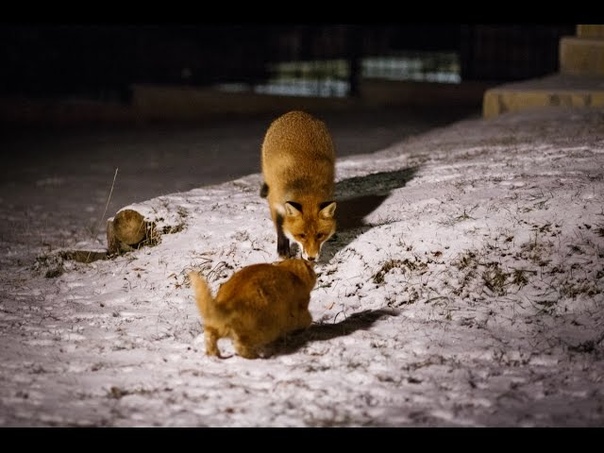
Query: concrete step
[(595, 31), (581, 56), (556, 90)]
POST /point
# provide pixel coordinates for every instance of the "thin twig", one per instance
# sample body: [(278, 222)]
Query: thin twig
[(108, 200)]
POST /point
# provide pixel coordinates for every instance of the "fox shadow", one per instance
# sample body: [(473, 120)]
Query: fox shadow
[(294, 341), (358, 197)]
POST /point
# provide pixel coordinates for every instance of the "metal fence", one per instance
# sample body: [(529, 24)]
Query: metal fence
[(325, 59)]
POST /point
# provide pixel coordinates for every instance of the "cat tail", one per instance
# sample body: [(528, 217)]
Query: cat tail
[(203, 295)]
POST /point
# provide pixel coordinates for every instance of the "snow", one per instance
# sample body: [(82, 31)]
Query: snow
[(464, 287)]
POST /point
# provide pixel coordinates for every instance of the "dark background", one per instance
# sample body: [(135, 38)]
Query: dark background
[(103, 60)]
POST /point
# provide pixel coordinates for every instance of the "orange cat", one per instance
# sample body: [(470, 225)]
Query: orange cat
[(257, 305)]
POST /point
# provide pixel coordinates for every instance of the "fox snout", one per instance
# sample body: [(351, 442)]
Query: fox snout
[(313, 254), (311, 258), (310, 254)]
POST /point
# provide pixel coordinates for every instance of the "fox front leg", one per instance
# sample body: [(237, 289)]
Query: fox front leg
[(283, 246)]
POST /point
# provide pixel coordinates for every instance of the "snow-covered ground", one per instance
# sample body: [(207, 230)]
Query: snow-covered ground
[(464, 287)]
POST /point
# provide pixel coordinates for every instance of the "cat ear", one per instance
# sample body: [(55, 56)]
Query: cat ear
[(292, 209), (328, 209)]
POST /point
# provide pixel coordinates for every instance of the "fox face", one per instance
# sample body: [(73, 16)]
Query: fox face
[(309, 230)]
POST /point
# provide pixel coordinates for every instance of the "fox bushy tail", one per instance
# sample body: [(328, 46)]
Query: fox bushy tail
[(203, 295)]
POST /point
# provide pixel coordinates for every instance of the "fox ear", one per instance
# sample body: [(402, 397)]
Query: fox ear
[(292, 209), (328, 209)]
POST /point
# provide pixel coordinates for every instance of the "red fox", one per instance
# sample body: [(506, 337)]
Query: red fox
[(298, 168), (257, 305)]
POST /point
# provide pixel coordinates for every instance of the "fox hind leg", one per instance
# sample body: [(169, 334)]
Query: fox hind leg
[(244, 348), (211, 341)]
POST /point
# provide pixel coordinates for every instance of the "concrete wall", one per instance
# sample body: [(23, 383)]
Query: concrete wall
[(151, 103)]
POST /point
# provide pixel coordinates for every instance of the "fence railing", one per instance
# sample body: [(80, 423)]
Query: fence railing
[(311, 60)]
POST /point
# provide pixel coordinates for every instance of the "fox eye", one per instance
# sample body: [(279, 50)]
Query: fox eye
[(320, 236), (302, 236)]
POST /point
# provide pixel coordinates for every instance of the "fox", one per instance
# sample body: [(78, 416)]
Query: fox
[(256, 306), (298, 171)]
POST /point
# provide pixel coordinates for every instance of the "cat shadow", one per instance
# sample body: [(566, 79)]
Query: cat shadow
[(357, 198), (323, 332)]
